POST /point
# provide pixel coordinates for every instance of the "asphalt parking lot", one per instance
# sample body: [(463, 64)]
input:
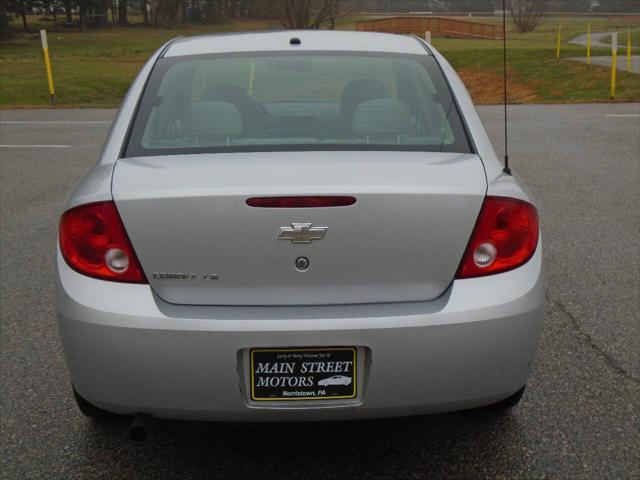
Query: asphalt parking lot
[(579, 418)]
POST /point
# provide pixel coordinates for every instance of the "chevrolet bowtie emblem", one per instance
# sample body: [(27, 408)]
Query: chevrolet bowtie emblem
[(301, 233)]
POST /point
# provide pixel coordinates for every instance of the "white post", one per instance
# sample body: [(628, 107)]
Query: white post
[(43, 39), (47, 65), (614, 63), (427, 37)]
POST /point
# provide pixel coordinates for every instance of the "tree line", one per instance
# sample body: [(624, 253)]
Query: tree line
[(104, 13), (85, 14)]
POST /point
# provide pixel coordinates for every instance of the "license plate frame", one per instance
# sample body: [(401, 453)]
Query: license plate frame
[(278, 374)]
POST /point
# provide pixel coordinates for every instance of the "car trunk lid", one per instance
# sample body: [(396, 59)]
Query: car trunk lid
[(200, 243)]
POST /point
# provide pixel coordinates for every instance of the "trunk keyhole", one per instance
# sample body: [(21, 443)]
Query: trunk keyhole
[(302, 263)]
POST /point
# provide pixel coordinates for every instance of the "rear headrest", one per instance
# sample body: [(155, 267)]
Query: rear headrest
[(357, 91), (382, 117), (212, 119), (222, 92)]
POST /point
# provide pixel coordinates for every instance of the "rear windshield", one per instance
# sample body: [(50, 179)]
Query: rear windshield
[(275, 101)]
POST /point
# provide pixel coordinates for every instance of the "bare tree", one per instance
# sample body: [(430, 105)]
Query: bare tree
[(334, 11), (82, 13), (527, 13), (232, 8), (5, 31), (67, 11), (144, 10), (307, 14), (55, 15), (213, 10), (23, 13), (123, 18)]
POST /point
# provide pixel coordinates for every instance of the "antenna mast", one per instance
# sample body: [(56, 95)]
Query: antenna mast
[(506, 168)]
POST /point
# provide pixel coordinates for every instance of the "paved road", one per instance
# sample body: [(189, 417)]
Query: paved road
[(597, 40), (580, 417), (604, 61)]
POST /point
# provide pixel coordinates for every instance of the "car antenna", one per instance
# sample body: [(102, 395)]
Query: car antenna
[(506, 168)]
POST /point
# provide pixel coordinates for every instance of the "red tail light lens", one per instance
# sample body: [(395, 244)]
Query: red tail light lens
[(94, 242), (505, 237)]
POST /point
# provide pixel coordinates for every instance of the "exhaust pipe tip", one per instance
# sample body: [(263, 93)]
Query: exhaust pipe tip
[(139, 428)]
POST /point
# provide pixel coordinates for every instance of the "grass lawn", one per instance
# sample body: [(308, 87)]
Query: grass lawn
[(622, 39), (535, 74), (94, 69)]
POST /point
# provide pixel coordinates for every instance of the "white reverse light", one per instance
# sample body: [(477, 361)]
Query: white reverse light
[(484, 254), (117, 260)]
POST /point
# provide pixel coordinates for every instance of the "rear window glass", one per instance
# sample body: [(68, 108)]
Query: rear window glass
[(296, 101)]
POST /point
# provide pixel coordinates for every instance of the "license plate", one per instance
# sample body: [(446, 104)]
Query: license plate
[(303, 373)]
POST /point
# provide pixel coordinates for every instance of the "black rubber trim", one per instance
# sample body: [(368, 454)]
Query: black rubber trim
[(167, 45), (465, 125), (127, 136)]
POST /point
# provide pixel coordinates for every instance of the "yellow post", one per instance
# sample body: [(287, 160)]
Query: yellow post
[(614, 63), (589, 44), (252, 76), (559, 38), (628, 52), (47, 65)]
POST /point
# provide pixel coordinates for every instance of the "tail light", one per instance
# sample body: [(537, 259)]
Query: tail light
[(505, 237), (94, 242)]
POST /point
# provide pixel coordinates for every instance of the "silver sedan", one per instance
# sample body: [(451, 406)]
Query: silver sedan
[(274, 209)]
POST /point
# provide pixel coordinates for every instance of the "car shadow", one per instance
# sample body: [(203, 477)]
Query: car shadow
[(437, 446)]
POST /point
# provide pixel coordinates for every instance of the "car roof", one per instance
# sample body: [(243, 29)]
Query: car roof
[(323, 40)]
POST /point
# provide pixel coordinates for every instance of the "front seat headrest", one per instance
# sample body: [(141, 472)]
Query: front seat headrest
[(382, 117), (212, 119), (358, 91)]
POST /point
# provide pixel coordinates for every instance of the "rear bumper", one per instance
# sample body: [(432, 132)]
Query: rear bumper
[(129, 352)]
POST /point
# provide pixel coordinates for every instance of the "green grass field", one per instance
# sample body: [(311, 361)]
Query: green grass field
[(622, 39), (94, 69), (535, 74)]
